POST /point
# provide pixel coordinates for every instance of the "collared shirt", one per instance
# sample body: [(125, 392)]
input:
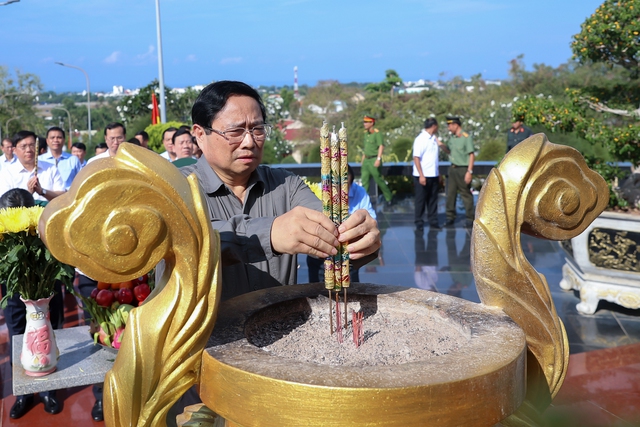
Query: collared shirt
[(425, 148), (16, 176), (166, 155), (99, 156), (514, 137), (460, 147), (4, 161), (248, 260), (68, 166), (372, 141), (359, 199)]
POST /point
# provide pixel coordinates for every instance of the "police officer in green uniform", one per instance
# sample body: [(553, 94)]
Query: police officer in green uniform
[(372, 157), (460, 172)]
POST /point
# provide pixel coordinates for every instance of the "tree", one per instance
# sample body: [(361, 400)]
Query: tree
[(392, 79), (18, 94), (178, 105), (602, 112)]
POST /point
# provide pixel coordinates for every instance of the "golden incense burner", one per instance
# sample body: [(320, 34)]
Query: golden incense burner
[(126, 213)]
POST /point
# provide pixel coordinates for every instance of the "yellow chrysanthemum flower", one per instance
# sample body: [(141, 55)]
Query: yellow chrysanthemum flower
[(14, 220), (316, 187)]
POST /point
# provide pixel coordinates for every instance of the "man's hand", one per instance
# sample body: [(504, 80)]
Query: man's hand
[(423, 180), (467, 178), (33, 185), (361, 231), (304, 231)]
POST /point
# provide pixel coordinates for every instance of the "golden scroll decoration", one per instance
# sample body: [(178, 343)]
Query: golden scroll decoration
[(545, 190), (123, 215)]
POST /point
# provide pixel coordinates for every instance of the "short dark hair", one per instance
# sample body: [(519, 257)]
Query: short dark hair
[(15, 198), (430, 122), (114, 125), (214, 97), (79, 146), (59, 129), (179, 132), (144, 135), (102, 145), (22, 135), (133, 140), (169, 129), (42, 145)]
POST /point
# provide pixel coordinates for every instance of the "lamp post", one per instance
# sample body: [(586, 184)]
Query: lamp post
[(9, 121), (69, 116), (163, 110), (88, 95), (8, 94), (9, 2)]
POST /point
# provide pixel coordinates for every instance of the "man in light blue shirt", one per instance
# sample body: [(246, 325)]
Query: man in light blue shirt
[(68, 165), (7, 149)]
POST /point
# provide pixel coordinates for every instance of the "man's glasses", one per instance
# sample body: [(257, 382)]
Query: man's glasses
[(24, 147), (116, 139), (236, 135)]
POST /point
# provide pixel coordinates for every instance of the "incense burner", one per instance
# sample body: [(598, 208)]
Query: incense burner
[(126, 213)]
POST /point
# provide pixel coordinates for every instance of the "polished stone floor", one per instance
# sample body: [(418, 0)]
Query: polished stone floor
[(602, 387)]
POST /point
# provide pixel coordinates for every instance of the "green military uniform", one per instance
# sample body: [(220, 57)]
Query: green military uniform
[(372, 141), (515, 137), (460, 147)]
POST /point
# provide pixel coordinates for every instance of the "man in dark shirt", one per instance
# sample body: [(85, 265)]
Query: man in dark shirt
[(265, 216), (518, 133)]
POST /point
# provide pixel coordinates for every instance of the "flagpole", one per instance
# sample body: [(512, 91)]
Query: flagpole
[(163, 110)]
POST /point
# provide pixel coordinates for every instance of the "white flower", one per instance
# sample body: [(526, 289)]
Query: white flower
[(432, 115), (549, 96), (540, 95), (515, 99), (509, 105), (497, 127), (493, 102), (125, 108), (118, 108), (470, 121), (503, 105), (492, 115)]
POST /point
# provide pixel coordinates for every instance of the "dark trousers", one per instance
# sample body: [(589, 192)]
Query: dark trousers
[(455, 185), (15, 314), (316, 270), (85, 286), (426, 196)]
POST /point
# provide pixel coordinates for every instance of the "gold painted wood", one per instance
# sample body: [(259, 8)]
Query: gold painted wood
[(123, 215), (545, 190)]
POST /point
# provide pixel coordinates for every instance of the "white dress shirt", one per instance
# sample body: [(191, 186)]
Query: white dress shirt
[(425, 147), (99, 156), (16, 176)]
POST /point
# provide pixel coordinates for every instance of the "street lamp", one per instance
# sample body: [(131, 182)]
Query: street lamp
[(9, 2), (69, 116), (8, 94), (9, 121), (163, 110), (88, 95)]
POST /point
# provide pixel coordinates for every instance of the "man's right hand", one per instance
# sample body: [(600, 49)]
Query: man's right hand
[(423, 180), (304, 231)]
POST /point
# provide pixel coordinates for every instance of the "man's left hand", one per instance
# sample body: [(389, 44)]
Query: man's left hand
[(467, 178), (362, 233)]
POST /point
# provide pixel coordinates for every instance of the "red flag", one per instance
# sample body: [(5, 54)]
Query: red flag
[(155, 112)]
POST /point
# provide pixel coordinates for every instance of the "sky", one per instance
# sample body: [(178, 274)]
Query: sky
[(260, 41)]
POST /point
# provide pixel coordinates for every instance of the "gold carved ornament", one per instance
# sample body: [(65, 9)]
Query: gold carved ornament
[(122, 216), (547, 191)]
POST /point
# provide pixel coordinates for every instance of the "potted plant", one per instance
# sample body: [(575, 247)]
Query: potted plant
[(29, 269), (602, 263)]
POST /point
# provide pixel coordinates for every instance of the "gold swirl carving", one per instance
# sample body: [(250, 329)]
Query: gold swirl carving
[(545, 190), (122, 216)]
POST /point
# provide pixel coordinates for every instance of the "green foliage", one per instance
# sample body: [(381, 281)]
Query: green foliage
[(18, 93), (178, 104), (155, 134), (611, 35), (402, 150), (391, 80), (494, 149)]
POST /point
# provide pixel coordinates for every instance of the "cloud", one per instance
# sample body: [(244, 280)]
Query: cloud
[(149, 54), (191, 58), (113, 58), (234, 60)]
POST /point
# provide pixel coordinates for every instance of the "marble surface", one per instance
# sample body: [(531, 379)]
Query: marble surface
[(80, 363)]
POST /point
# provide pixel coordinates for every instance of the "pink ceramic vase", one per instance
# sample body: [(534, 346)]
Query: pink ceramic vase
[(39, 350)]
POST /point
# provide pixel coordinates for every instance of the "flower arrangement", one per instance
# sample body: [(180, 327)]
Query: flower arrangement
[(26, 265)]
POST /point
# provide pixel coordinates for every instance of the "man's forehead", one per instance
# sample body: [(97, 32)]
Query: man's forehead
[(29, 138), (54, 133), (116, 130)]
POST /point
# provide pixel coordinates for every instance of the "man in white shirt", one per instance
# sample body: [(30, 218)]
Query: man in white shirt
[(45, 185), (7, 150), (114, 135), (426, 179), (68, 165), (167, 141)]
